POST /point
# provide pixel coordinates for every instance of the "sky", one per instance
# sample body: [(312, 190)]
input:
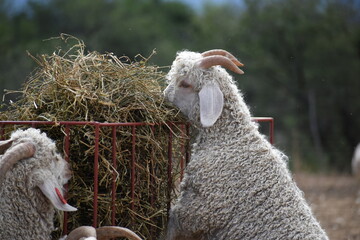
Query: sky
[(196, 4), (18, 5)]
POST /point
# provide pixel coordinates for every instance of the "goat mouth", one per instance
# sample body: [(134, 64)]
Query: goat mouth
[(61, 197)]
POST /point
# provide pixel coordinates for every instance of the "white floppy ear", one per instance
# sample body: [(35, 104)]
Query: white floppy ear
[(211, 104), (53, 193)]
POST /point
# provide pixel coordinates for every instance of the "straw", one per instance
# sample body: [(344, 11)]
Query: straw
[(71, 85)]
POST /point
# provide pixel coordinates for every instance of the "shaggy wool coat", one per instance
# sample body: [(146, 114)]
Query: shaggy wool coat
[(237, 185), (25, 213)]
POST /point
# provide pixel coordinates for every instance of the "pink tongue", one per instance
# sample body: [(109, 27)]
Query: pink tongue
[(62, 199)]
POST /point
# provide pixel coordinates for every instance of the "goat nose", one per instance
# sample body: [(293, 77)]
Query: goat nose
[(165, 92), (168, 93), (67, 173)]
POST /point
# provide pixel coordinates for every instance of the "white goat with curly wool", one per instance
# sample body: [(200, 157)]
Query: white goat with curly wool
[(32, 175), (355, 162), (237, 185)]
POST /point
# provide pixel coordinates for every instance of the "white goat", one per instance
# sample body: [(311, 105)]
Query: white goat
[(32, 175), (355, 162), (236, 185)]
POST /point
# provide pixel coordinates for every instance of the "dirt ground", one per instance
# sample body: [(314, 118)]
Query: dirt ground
[(335, 200)]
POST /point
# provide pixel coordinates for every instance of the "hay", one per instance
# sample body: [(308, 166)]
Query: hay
[(73, 85)]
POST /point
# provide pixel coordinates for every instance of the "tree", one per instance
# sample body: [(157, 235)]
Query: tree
[(301, 57), (306, 53)]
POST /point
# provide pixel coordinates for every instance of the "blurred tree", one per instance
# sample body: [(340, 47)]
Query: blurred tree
[(127, 27), (301, 57), (124, 27), (217, 26)]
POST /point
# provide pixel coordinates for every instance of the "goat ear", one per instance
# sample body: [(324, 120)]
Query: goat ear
[(211, 104), (55, 196), (4, 145)]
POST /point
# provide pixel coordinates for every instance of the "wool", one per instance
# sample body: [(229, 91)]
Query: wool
[(355, 162), (25, 213), (236, 185)]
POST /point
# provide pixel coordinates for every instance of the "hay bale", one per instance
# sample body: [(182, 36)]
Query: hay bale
[(73, 85)]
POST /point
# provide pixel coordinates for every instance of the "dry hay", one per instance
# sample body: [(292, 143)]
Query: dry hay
[(76, 86)]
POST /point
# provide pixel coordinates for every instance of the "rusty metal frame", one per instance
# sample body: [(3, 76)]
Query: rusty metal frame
[(97, 126)]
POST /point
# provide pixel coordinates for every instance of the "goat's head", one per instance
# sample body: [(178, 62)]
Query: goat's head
[(195, 83), (38, 163)]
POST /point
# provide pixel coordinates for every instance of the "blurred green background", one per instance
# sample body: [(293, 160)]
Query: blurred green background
[(302, 57)]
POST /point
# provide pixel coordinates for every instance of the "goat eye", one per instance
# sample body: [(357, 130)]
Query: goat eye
[(184, 84)]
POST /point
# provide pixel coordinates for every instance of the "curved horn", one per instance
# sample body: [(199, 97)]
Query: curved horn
[(81, 232), (223, 53), (210, 61), (107, 232), (13, 155), (4, 145)]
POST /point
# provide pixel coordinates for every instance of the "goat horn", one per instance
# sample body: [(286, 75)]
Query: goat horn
[(223, 53), (4, 145), (108, 232), (82, 232), (210, 61), (13, 155)]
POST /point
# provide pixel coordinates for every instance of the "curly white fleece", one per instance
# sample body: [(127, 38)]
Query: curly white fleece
[(237, 185), (25, 213)]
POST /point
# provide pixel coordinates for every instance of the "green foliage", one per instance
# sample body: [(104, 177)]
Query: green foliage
[(302, 58)]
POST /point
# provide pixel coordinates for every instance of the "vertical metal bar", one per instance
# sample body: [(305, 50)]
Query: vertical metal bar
[(169, 169), (152, 171), (187, 157), (96, 174), (271, 131), (2, 132), (183, 151), (113, 189), (132, 167), (152, 189), (67, 158), (67, 143)]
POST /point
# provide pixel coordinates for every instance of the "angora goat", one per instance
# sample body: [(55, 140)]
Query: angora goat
[(355, 162), (236, 185), (32, 175)]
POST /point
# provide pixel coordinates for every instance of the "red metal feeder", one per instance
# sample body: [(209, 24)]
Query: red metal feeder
[(133, 126)]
